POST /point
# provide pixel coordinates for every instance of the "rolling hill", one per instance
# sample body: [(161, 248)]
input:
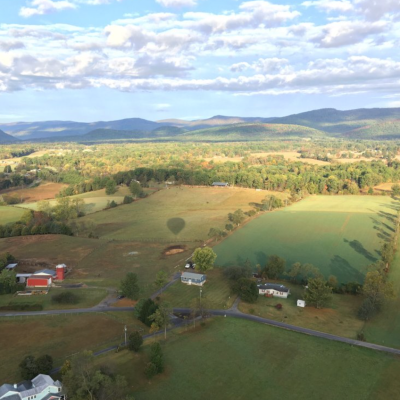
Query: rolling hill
[(251, 131), (6, 138), (336, 122), (376, 131)]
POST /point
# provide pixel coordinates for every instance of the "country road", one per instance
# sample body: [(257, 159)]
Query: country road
[(232, 312)]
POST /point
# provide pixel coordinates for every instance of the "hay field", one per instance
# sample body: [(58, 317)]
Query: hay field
[(341, 235), (176, 214)]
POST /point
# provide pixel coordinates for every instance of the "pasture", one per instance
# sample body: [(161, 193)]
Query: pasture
[(175, 214), (341, 235), (10, 214), (94, 201), (236, 359), (58, 336), (44, 191)]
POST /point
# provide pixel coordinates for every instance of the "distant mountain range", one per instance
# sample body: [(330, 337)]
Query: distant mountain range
[(377, 123)]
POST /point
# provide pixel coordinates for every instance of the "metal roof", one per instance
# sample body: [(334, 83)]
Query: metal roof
[(191, 275), (23, 275), (220, 184), (274, 286), (46, 272), (11, 266), (24, 389)]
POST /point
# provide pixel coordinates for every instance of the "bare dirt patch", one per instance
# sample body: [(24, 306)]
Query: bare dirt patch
[(171, 250), (46, 191), (125, 303)]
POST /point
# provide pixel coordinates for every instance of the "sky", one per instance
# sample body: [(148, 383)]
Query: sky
[(90, 60)]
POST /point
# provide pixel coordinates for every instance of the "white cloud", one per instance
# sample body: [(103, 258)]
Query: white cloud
[(330, 5), (41, 7), (177, 3), (376, 9), (263, 65), (345, 33), (163, 107), (7, 45)]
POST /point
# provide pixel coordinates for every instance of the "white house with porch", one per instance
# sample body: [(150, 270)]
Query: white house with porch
[(273, 290)]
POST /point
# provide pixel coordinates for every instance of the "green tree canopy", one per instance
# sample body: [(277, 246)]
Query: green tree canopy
[(274, 267), (318, 293), (129, 286), (204, 259)]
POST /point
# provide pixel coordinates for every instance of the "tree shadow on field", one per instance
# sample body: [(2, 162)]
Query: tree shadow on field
[(387, 216), (340, 266), (360, 249), (394, 205)]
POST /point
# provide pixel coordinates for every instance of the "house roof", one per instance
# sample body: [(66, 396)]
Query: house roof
[(28, 388), (274, 286), (191, 275), (11, 266), (46, 272), (23, 275)]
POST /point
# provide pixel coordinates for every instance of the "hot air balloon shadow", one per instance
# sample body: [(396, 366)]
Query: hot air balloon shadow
[(176, 225)]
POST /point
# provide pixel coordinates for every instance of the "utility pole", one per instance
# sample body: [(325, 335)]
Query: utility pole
[(125, 330)]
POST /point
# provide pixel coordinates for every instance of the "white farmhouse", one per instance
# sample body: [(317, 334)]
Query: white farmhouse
[(273, 290)]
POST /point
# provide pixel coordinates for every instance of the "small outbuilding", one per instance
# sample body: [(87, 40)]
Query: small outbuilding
[(220, 184), (190, 278), (11, 266), (301, 303), (21, 278), (273, 290)]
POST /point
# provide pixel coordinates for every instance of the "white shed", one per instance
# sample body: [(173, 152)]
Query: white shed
[(301, 303)]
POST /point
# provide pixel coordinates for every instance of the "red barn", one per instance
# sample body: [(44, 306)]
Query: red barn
[(39, 281)]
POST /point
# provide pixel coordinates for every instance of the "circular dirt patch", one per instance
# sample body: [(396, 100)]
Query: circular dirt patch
[(171, 250)]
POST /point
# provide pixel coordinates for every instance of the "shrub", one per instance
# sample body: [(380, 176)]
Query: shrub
[(151, 370), (279, 306), (361, 337), (135, 341)]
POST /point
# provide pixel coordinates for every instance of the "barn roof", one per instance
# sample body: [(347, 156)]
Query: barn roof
[(11, 266), (220, 184), (46, 272), (274, 286)]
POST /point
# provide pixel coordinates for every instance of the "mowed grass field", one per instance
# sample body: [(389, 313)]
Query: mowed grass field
[(58, 336), (236, 359), (176, 214), (341, 235)]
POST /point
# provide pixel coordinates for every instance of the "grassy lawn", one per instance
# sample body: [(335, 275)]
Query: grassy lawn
[(10, 214), (192, 211), (235, 359), (341, 235), (215, 292), (339, 318), (59, 336), (87, 298)]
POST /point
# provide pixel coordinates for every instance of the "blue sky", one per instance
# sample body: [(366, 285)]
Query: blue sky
[(89, 60)]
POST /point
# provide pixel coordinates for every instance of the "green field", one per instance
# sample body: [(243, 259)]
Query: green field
[(340, 235), (10, 214), (87, 298), (176, 214), (236, 359)]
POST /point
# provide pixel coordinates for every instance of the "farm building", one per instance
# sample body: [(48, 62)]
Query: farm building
[(49, 272), (190, 278), (220, 184), (21, 278), (275, 290), (40, 388), (39, 281), (10, 267)]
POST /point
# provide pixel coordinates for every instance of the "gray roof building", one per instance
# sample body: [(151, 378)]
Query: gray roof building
[(40, 388), (220, 184), (274, 286), (46, 272), (11, 266)]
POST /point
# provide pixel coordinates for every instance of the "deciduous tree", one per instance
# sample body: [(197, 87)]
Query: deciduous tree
[(318, 292), (204, 259)]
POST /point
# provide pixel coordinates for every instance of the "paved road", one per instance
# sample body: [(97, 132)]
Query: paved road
[(232, 312)]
